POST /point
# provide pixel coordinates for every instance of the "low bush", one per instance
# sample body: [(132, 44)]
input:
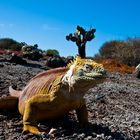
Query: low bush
[(126, 52)]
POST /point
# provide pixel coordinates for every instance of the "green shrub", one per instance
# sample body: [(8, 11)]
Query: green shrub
[(31, 52), (52, 52)]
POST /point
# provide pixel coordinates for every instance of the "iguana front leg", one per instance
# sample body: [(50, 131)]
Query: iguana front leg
[(30, 120), (36, 109), (82, 115)]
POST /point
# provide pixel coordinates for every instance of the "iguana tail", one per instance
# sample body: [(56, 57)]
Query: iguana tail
[(10, 102), (13, 92)]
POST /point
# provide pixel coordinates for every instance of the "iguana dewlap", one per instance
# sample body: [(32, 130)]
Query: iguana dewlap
[(52, 94)]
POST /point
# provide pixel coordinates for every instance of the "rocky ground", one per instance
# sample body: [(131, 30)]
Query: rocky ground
[(113, 107)]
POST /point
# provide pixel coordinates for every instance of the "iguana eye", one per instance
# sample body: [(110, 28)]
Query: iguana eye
[(87, 68)]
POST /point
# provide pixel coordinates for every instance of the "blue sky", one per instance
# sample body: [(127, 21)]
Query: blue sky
[(47, 22)]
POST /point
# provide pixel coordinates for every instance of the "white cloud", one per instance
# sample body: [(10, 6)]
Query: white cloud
[(2, 25), (48, 27)]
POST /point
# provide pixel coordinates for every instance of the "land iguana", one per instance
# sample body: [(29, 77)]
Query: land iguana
[(53, 93)]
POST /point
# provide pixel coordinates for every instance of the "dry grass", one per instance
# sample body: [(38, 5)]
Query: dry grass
[(114, 66)]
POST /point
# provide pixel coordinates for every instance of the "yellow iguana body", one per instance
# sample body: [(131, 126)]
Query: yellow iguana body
[(52, 94)]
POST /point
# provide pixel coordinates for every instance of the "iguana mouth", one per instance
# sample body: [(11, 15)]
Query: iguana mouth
[(91, 76), (94, 75)]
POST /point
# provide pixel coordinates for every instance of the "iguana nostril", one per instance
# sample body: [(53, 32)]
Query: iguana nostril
[(104, 72), (80, 73)]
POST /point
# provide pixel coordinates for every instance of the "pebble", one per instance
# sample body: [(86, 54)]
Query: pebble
[(75, 135), (1, 65), (94, 134), (137, 137), (89, 138), (81, 135), (109, 138), (2, 138)]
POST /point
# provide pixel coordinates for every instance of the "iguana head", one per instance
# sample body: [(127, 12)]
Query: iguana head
[(84, 72)]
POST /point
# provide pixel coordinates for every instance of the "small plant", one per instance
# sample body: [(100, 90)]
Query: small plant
[(31, 52), (52, 52)]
